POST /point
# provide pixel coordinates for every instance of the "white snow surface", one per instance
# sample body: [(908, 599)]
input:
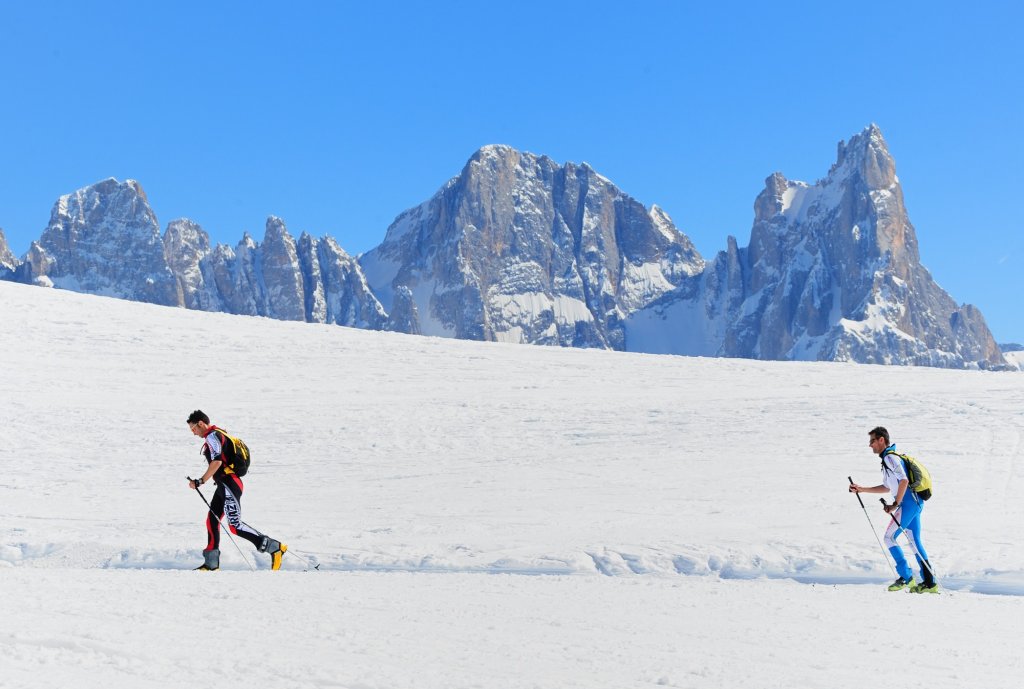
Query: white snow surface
[(1015, 359), (485, 515), (523, 308)]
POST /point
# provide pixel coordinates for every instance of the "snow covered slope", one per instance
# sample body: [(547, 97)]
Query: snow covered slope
[(669, 506), (1015, 358)]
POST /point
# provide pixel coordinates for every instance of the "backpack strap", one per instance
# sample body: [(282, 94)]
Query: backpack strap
[(228, 453), (224, 440), (885, 453)]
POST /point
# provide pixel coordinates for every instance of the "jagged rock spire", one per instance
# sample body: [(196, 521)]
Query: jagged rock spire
[(520, 249), (7, 260), (832, 272)]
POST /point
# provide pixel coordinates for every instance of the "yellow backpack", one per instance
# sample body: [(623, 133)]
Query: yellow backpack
[(234, 453), (918, 478)]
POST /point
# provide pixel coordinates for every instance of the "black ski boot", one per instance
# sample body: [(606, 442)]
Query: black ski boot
[(211, 561), (928, 584)]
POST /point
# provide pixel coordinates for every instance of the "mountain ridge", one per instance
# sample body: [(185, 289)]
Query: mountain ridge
[(518, 248)]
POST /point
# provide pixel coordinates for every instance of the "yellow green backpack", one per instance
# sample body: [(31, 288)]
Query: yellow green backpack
[(918, 478)]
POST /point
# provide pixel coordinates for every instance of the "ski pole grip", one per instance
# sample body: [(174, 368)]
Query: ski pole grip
[(893, 513), (857, 494)]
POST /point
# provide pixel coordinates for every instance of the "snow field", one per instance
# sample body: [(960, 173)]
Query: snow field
[(431, 478), (173, 629)]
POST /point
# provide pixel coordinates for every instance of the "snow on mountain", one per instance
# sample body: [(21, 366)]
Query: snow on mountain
[(1015, 358), (519, 249), (306, 280), (7, 260), (336, 289), (103, 239), (832, 272), (186, 245), (483, 514), (1014, 354)]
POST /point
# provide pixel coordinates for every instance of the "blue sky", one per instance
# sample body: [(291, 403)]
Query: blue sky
[(337, 116)]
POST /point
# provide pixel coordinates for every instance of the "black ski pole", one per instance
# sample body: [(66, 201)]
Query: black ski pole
[(910, 539), (221, 526), (309, 563), (885, 553)]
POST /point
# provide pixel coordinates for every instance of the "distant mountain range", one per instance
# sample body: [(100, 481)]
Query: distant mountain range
[(517, 248)]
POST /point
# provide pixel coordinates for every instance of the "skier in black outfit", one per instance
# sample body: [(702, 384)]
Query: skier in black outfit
[(226, 499)]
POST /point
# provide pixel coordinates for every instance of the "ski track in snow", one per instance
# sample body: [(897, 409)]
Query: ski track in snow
[(646, 520)]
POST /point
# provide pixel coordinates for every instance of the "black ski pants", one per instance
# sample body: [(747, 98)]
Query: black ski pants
[(227, 500)]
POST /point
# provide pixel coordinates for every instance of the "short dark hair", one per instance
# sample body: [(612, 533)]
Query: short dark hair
[(197, 416), (879, 432)]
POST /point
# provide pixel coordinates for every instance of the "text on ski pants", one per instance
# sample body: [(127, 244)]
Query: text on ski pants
[(227, 501)]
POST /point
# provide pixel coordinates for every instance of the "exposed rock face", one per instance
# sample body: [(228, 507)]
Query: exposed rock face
[(104, 239), (405, 317), (832, 272), (282, 275), (311, 280), (7, 260), (186, 245), (336, 290), (519, 249)]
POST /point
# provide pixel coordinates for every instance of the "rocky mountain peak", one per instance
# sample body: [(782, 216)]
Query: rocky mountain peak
[(866, 155), (186, 236), (275, 229), (105, 239), (7, 259), (186, 244), (519, 248), (494, 151), (771, 201), (832, 272)]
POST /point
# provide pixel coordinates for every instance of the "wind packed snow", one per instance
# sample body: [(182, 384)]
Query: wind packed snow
[(1015, 359), (485, 514), (800, 198), (517, 308)]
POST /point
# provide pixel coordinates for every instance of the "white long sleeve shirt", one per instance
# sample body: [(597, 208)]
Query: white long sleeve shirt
[(214, 446), (893, 472)]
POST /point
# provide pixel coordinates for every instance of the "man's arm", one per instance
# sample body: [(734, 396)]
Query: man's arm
[(210, 471), (900, 492), (855, 488), (213, 444)]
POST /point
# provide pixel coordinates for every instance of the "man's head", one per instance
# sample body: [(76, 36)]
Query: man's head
[(198, 422), (878, 439)]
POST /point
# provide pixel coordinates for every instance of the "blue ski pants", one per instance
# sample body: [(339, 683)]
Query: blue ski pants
[(909, 517)]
